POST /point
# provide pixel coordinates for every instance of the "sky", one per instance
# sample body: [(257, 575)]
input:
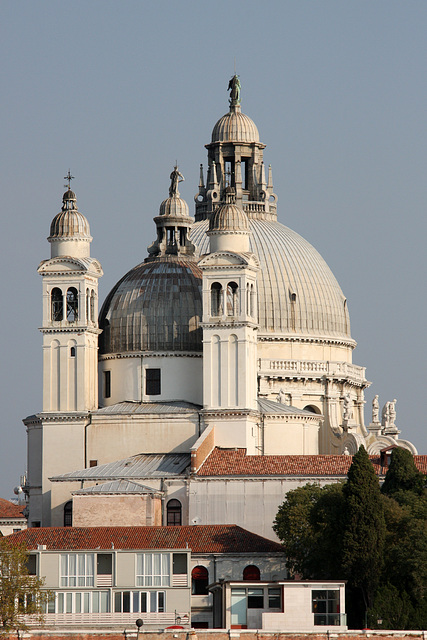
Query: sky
[(118, 91)]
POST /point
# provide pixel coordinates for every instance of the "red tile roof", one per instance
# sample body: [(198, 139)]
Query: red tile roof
[(10, 511), (235, 462), (200, 538)]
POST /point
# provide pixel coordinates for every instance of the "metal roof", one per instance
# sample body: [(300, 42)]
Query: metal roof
[(116, 487), (178, 406), (143, 465), (298, 294), (277, 408)]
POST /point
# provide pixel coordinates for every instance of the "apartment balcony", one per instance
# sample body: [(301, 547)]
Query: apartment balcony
[(100, 620)]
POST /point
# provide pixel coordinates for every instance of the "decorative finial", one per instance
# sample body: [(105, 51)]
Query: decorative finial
[(234, 88), (68, 177), (175, 177)]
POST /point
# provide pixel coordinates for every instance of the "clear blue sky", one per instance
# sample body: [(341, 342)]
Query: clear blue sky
[(117, 91)]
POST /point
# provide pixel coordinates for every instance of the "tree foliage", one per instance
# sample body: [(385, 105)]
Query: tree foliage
[(402, 474), (20, 593), (364, 529), (376, 540)]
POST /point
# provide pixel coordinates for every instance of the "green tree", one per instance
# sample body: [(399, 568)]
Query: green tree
[(392, 609), (308, 523), (402, 474), (294, 528), (20, 593), (364, 529)]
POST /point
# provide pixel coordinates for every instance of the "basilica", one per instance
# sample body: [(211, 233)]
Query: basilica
[(218, 373)]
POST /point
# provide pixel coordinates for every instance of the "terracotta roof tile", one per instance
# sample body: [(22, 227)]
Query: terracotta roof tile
[(235, 462), (9, 510), (200, 539)]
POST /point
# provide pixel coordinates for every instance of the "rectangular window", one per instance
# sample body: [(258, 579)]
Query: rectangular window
[(326, 606), (104, 564), (274, 598), (107, 384), (78, 602), (153, 569), (255, 598), (139, 601), (179, 563), (32, 564), (152, 382), (77, 570)]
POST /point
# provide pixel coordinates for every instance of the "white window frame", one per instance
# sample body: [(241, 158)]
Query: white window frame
[(79, 602), (153, 569), (77, 569), (153, 601)]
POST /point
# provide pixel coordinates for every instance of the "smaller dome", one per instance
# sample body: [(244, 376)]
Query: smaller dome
[(235, 126), (229, 217), (69, 222), (175, 207), (69, 195)]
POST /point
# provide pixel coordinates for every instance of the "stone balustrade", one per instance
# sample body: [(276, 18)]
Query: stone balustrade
[(310, 368)]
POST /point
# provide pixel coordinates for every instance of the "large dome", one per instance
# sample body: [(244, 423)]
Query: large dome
[(157, 306), (298, 295)]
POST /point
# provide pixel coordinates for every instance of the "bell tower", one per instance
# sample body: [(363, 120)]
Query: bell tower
[(70, 314), (230, 329)]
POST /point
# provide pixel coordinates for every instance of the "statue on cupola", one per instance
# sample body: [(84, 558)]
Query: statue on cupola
[(173, 224)]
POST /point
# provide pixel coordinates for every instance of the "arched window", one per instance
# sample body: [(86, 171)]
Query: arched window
[(232, 302), (311, 408), (57, 305), (216, 299), (92, 306), (253, 301), (72, 352), (199, 581), (72, 304), (174, 513), (87, 305), (251, 572), (68, 514)]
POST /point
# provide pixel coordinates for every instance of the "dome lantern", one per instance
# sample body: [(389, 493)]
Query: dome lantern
[(235, 158), (229, 227), (69, 230), (173, 223)]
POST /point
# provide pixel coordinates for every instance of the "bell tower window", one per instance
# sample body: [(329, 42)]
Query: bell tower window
[(57, 305), (92, 306), (216, 299), (229, 172), (245, 174), (232, 301), (72, 304)]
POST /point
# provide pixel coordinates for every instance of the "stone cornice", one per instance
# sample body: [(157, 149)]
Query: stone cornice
[(150, 354), (71, 329), (228, 324), (56, 416), (275, 337), (215, 413)]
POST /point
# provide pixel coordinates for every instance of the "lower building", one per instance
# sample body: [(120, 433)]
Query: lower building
[(302, 606), (12, 519), (103, 577)]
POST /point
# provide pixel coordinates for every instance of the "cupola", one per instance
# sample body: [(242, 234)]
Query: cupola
[(69, 230), (173, 223), (229, 227)]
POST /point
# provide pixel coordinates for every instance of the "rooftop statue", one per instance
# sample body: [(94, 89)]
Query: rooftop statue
[(175, 177), (375, 411), (234, 88)]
